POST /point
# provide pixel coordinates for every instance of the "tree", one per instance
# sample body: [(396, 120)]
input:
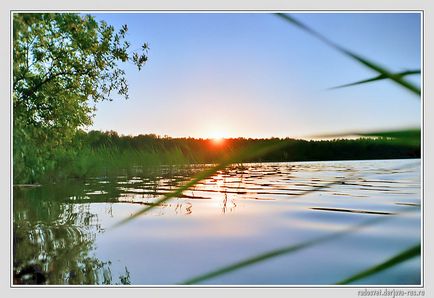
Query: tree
[(63, 64)]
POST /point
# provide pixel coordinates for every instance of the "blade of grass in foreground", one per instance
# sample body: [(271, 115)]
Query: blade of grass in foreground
[(395, 260), (289, 249), (409, 136), (377, 78), (248, 153), (400, 134), (372, 65), (296, 247)]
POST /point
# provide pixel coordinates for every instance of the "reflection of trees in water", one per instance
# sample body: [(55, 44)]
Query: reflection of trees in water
[(53, 240), (54, 229)]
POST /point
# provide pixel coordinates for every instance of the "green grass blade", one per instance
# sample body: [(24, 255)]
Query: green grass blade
[(247, 262), (400, 134), (409, 135), (300, 25), (377, 78), (250, 152), (395, 260), (296, 247), (396, 78), (278, 252), (372, 65)]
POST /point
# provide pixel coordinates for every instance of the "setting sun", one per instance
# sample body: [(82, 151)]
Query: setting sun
[(217, 137), (218, 140)]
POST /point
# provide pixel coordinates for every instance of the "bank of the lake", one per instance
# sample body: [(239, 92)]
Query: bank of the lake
[(106, 153)]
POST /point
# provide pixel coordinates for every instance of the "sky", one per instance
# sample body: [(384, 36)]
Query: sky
[(255, 75)]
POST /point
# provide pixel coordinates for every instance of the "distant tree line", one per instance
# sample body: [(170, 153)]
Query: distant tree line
[(208, 151)]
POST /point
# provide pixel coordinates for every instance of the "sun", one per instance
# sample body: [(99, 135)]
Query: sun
[(217, 138)]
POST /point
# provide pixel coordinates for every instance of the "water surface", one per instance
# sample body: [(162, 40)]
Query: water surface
[(64, 230)]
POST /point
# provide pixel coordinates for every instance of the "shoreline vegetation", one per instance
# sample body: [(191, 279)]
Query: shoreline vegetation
[(97, 153)]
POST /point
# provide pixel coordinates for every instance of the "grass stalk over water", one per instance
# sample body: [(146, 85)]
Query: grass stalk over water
[(383, 72), (410, 136), (294, 248), (405, 255)]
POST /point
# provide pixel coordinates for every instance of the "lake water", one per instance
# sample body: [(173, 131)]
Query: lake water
[(352, 214)]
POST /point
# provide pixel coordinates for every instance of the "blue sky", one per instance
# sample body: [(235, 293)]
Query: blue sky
[(254, 75)]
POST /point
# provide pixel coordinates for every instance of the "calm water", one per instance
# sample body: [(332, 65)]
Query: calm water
[(64, 232)]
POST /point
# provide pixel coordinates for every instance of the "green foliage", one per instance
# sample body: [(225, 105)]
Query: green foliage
[(108, 154), (63, 64), (376, 145)]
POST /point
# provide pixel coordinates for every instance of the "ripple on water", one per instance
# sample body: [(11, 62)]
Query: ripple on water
[(236, 214)]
